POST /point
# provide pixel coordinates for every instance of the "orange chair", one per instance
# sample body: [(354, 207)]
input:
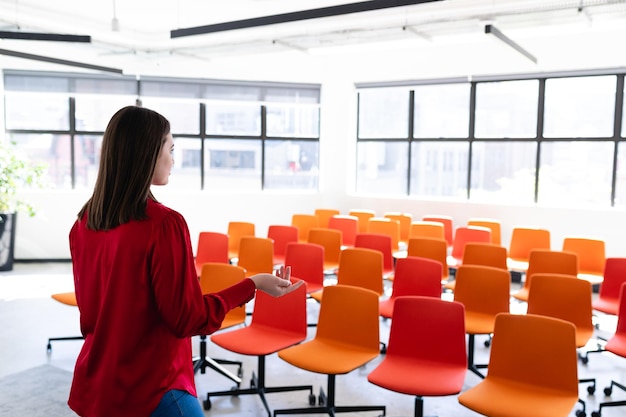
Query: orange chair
[(281, 235), (608, 296), (349, 227), (421, 228), (256, 255), (591, 257), (270, 331), (412, 367), (304, 223), (435, 249), (363, 215), (359, 267), (405, 220), (236, 230), (464, 235), (520, 383), (347, 338), (523, 240), (324, 214), (386, 226), (486, 254), (307, 263), (414, 276), (491, 224), (330, 240), (547, 261), (212, 247), (484, 291), (214, 277), (69, 299), (616, 345), (380, 243), (448, 225)]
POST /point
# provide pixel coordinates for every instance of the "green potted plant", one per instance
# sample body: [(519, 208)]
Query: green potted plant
[(16, 172)]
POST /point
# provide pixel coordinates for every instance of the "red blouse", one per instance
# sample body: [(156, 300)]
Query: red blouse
[(140, 302)]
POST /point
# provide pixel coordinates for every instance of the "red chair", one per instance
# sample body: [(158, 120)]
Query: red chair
[(307, 263), (608, 295), (380, 243), (464, 235), (349, 227), (413, 367), (212, 247), (281, 235)]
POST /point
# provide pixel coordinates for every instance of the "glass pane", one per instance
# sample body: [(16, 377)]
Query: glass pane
[(233, 165), (575, 173), (291, 165), (442, 111), (507, 109), (382, 167), (94, 112), (384, 113), (620, 184), (439, 169), (87, 155), (580, 107), (184, 116), (51, 150), (186, 172), (225, 119), (300, 122), (52, 112), (503, 172)]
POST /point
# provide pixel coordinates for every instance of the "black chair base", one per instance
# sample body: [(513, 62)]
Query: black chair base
[(203, 361), (608, 391), (54, 339), (475, 368)]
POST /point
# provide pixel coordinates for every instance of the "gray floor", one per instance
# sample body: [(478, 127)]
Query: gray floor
[(28, 316)]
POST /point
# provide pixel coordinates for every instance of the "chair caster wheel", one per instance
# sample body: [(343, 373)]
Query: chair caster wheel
[(206, 404), (595, 414), (487, 342), (591, 390), (312, 399), (580, 413), (608, 391)]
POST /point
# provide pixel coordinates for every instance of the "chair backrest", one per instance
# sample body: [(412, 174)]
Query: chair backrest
[(361, 267), (616, 343), (216, 276), (465, 234), (281, 235), (535, 350), (348, 225), (483, 289), (614, 277), (563, 297), (349, 316), (380, 243), (405, 220), (525, 239), (448, 225), (363, 215), (307, 263), (385, 226), (212, 247), (330, 239), (492, 224), (324, 214), (256, 254), (417, 276), (591, 254), (550, 261), (435, 249), (487, 254), (236, 230), (442, 323), (304, 223), (423, 228), (270, 312)]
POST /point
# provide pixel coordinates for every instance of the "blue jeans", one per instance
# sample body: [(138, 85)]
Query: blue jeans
[(176, 403)]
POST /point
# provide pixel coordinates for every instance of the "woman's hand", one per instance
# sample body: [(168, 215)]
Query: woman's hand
[(276, 285)]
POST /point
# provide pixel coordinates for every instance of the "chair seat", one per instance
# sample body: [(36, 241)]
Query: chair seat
[(582, 336), (263, 340), (522, 294), (385, 308), (607, 306), (419, 377), (479, 323), (493, 397), (327, 357), (617, 345), (68, 298)]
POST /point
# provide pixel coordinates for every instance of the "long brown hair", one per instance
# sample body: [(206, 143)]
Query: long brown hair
[(131, 145)]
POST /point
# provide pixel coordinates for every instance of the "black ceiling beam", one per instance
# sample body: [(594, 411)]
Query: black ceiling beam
[(58, 61), (364, 6), (491, 29), (55, 37)]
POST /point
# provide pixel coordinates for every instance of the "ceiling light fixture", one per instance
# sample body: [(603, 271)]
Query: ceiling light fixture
[(330, 11), (55, 37), (58, 61), (491, 29)]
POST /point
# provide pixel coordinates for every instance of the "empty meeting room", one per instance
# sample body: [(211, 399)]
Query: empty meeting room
[(511, 111)]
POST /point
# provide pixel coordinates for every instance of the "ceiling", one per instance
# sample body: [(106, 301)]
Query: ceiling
[(433, 39)]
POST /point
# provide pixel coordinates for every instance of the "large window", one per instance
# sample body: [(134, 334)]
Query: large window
[(551, 140), (228, 135)]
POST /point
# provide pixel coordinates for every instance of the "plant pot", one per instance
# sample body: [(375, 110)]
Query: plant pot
[(7, 240)]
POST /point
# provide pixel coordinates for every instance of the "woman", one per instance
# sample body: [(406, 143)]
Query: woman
[(136, 286)]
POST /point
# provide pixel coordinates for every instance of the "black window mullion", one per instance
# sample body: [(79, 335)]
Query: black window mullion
[(472, 127), (72, 132), (202, 144), (540, 118), (263, 142), (410, 138), (617, 130)]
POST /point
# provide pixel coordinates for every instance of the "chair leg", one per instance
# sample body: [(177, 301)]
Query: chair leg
[(470, 358), (327, 404), (203, 361), (608, 391), (257, 386), (419, 406), (52, 339)]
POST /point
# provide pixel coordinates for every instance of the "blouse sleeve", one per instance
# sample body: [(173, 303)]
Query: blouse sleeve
[(177, 293)]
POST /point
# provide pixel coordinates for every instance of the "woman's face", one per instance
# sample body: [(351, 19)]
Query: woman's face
[(165, 162)]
